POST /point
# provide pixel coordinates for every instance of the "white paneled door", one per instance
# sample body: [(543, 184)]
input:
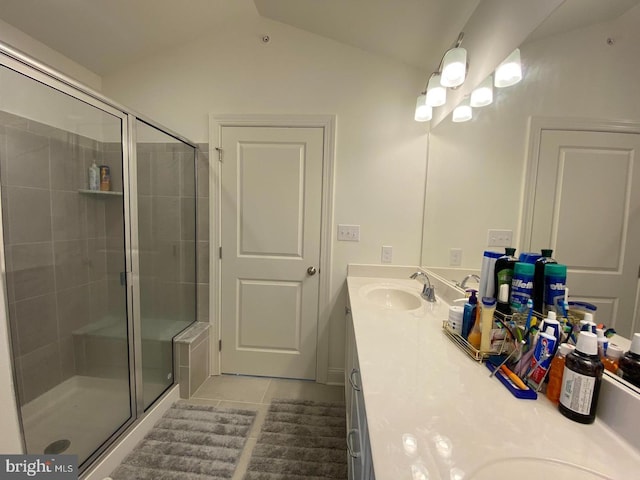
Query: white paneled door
[(587, 208), (271, 182)]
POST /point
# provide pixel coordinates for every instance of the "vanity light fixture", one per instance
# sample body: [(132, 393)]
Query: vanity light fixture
[(436, 93), (424, 112), (483, 94), (454, 65), (509, 72), (463, 112), (451, 73)]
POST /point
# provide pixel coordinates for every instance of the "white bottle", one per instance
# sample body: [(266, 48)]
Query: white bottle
[(94, 177)]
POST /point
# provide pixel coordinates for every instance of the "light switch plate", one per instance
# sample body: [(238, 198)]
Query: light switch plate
[(348, 233), (387, 254), (455, 257), (499, 238)]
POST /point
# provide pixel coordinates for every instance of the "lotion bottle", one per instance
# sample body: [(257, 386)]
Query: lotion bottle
[(486, 322), (94, 177)]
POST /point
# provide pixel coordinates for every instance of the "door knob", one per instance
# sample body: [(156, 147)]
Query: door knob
[(311, 271)]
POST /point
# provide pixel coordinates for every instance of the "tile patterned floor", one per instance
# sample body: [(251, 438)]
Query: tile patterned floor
[(255, 393)]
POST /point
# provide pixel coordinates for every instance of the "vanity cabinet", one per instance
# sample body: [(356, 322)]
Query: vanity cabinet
[(358, 447)]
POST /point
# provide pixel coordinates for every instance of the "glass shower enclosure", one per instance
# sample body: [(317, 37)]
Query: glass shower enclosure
[(99, 276)]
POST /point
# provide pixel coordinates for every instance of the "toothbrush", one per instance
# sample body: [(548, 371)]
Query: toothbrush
[(527, 325)]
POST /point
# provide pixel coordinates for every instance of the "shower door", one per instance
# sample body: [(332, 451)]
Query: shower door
[(166, 250), (65, 248)]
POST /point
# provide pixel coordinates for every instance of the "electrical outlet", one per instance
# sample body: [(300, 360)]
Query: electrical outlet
[(387, 254), (455, 257), (499, 238), (348, 233)]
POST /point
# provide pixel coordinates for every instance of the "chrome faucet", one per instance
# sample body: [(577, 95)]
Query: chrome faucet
[(463, 283), (428, 290)]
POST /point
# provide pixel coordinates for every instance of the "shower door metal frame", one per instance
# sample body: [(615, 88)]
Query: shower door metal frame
[(47, 80), (25, 65)]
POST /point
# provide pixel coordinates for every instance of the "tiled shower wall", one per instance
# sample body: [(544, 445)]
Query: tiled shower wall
[(58, 271), (202, 231)]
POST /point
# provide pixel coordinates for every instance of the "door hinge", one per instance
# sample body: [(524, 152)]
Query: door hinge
[(638, 271), (220, 345), (219, 150), (220, 253)]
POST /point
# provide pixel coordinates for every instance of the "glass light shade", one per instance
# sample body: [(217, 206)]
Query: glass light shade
[(454, 67), (463, 112), (483, 94), (424, 112), (509, 72), (436, 93)]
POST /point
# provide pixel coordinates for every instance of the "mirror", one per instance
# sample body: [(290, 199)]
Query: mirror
[(580, 75)]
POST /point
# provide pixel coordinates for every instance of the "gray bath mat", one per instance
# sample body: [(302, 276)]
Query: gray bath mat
[(190, 442), (300, 440)]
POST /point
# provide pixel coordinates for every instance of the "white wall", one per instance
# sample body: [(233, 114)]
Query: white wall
[(21, 41), (381, 151), (476, 169)]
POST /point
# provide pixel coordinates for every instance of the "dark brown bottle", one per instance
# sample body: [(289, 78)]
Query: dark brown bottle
[(581, 380), (629, 364)]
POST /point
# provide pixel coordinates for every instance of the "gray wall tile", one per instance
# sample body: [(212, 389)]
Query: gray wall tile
[(203, 262), (188, 262), (96, 253), (202, 226), (27, 159), (37, 323), (29, 215), (166, 218), (188, 218), (187, 174), (71, 263), (33, 271), (67, 166), (99, 305), (203, 303), (143, 160), (165, 169), (69, 221), (95, 217), (73, 309)]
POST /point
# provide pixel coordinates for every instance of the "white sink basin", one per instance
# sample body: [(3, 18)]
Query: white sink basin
[(530, 468), (392, 297)]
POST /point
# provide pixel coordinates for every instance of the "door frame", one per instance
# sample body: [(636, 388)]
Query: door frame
[(537, 124), (328, 123)]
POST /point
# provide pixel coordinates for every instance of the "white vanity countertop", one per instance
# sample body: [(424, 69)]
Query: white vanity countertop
[(434, 413)]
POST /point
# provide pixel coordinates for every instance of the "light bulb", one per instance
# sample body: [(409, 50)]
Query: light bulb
[(436, 93), (483, 94), (423, 111), (509, 72), (463, 112), (454, 67)]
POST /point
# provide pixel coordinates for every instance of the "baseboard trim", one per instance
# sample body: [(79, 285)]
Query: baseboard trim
[(335, 376), (115, 456)]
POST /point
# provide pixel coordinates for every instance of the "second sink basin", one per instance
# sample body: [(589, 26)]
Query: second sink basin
[(392, 297)]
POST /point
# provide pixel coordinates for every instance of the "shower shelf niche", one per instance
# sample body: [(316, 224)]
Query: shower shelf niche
[(100, 193)]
